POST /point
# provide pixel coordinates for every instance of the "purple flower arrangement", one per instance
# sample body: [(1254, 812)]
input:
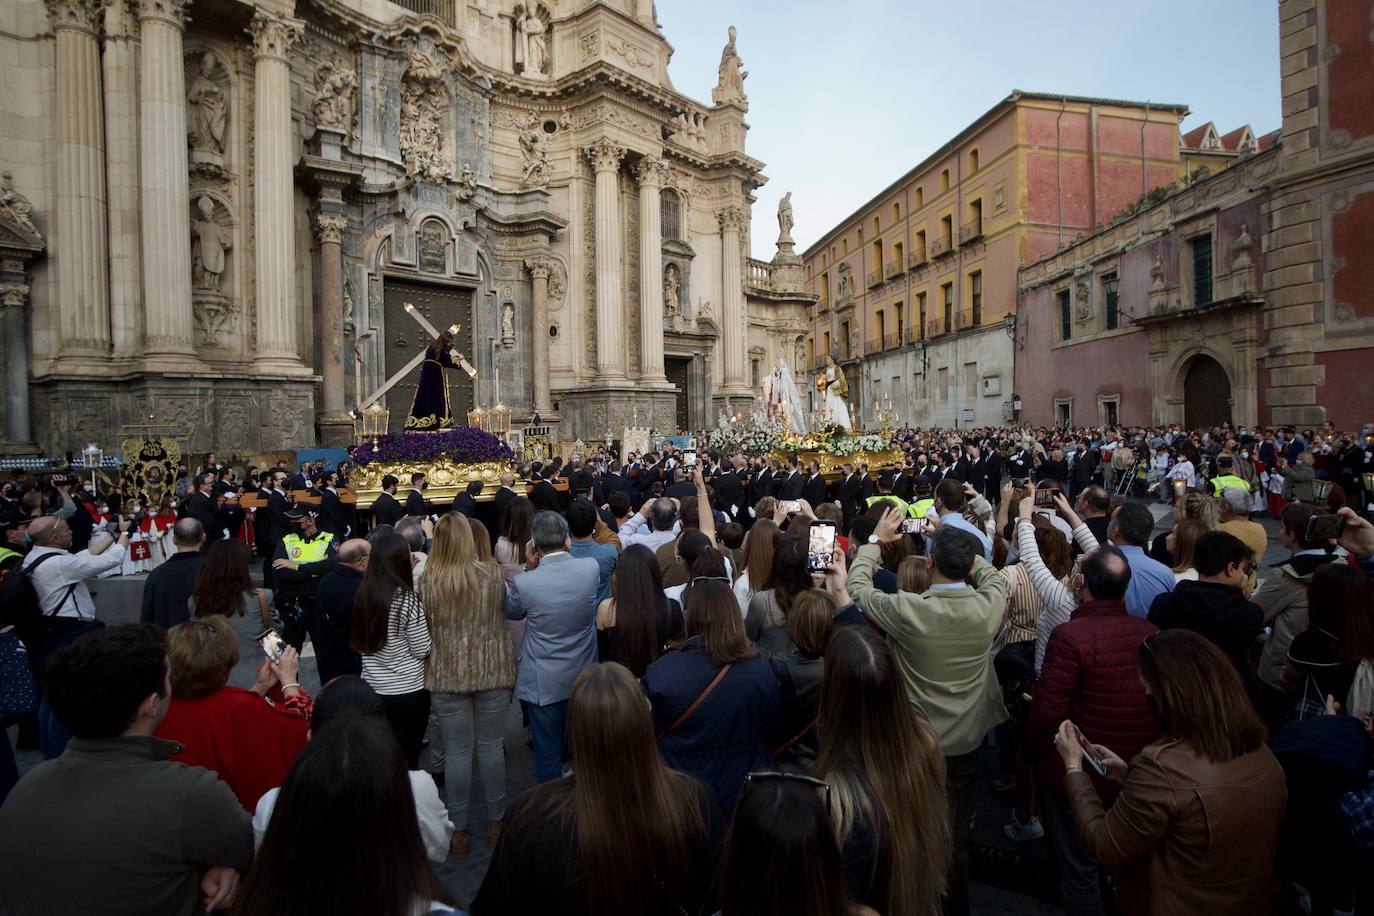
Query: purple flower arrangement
[(462, 444)]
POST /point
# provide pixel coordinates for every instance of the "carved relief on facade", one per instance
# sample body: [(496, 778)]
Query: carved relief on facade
[(335, 84), (207, 110), (425, 141), (672, 292), (214, 302), (14, 206), (558, 283), (591, 46), (534, 147), (508, 325), (631, 53), (433, 246), (1082, 299)]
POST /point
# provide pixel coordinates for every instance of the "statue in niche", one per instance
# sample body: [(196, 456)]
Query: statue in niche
[(433, 247), (209, 242), (785, 218), (209, 110), (672, 290), (730, 81), (1083, 297), (333, 105), (467, 182), (534, 146), (14, 205), (531, 45), (844, 285), (424, 100), (508, 325)]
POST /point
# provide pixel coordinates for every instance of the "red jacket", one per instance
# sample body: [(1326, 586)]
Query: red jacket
[(1090, 678), (248, 741)]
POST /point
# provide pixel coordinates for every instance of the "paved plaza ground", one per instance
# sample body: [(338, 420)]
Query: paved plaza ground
[(1010, 878)]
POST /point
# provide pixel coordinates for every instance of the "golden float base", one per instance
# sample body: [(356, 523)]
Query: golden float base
[(446, 479), (834, 464)]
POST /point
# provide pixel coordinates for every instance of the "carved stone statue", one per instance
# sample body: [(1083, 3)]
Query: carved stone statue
[(534, 146), (508, 324), (844, 284), (785, 218), (531, 48), (15, 206), (672, 286), (209, 110), (1157, 274), (1083, 300), (333, 105), (467, 182), (424, 100), (209, 242), (730, 78)]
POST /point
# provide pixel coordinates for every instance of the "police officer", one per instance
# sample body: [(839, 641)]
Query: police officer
[(1226, 477), (14, 530), (301, 561)]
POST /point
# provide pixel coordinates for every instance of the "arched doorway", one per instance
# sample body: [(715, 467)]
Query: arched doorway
[(1206, 394)]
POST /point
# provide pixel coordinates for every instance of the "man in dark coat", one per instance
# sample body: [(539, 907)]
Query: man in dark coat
[(334, 515), (329, 621), (813, 488), (279, 523), (792, 481), (466, 502), (201, 507), (386, 510), (169, 587), (416, 504)]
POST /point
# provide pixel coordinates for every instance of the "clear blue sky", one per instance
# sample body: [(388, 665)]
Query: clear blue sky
[(845, 97)]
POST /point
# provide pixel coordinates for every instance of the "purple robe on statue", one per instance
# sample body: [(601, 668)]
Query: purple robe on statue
[(430, 409)]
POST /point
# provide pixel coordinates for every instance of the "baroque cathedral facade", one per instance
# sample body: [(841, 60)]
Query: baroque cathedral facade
[(224, 221)]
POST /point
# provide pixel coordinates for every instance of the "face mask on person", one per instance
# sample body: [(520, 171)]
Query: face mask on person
[(1245, 455)]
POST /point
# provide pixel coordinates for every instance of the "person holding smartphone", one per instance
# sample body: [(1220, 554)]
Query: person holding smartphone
[(1195, 827)]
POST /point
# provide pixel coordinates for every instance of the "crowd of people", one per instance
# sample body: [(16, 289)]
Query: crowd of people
[(718, 723)]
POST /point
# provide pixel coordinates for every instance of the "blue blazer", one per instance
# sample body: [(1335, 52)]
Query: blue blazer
[(730, 731), (557, 601)]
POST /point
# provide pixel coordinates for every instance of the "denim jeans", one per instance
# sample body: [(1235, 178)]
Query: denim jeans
[(461, 715), (961, 774), (1080, 888), (547, 725)]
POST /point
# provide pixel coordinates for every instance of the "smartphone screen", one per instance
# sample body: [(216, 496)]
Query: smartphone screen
[(1090, 755), (820, 549), (1045, 497), (912, 525), (791, 506), (272, 644), (1325, 527), (689, 459)]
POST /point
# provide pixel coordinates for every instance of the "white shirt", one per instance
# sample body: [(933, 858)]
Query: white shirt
[(1184, 471), (629, 534), (69, 572), (435, 827)]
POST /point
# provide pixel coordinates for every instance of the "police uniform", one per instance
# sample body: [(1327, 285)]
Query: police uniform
[(1228, 481), (295, 591)]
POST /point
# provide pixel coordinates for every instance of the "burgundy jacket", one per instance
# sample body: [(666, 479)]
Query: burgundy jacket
[(1089, 677)]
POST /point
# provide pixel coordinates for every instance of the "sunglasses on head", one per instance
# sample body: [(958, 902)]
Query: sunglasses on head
[(778, 775)]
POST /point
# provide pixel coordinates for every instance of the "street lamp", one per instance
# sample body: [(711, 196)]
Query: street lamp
[(1009, 324), (91, 457)]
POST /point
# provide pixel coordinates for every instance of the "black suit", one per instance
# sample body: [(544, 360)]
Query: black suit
[(278, 527), (333, 515), (416, 504), (545, 497), (262, 526), (813, 490), (903, 486), (729, 489), (681, 490), (761, 486), (867, 489), (847, 492), (202, 508), (386, 510), (791, 486), (465, 504)]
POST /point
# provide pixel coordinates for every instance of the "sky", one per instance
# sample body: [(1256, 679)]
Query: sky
[(846, 97)]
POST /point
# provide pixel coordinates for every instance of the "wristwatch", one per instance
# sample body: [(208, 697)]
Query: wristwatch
[(873, 539)]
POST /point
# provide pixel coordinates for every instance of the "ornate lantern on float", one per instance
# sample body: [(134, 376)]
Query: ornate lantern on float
[(372, 422)]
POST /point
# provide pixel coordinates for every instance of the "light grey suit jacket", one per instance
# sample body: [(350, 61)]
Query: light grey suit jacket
[(557, 601)]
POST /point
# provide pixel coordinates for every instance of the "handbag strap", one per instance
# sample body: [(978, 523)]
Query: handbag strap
[(71, 589), (793, 740), (715, 682)]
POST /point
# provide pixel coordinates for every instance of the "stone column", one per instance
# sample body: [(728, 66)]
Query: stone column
[(165, 198), (274, 242), (539, 269), (605, 157), (120, 59), (78, 239), (733, 317), (330, 228), (651, 174), (18, 429)]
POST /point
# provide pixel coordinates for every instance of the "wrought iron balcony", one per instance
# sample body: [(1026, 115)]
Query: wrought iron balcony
[(875, 278), (970, 231), (941, 247), (893, 269), (917, 257), (935, 327)]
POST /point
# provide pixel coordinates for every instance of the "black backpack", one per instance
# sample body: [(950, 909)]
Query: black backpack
[(19, 605)]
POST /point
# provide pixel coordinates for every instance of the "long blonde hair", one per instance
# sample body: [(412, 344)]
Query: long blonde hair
[(451, 574)]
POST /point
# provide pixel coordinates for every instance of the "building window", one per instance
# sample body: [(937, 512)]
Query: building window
[(810, 351), (1110, 300), (975, 217), (975, 294), (844, 343), (1063, 411), (827, 345), (947, 232), (896, 213), (920, 198), (897, 263), (947, 294), (919, 252), (999, 197), (1109, 410), (921, 312), (972, 161), (881, 323), (1202, 269), (897, 326), (942, 385), (877, 261), (944, 180), (670, 209), (844, 245), (970, 379), (754, 373), (1065, 314)]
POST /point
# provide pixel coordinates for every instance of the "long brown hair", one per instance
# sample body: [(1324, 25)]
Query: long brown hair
[(636, 822), (1338, 601), (1053, 547), (388, 571), (758, 552), (222, 580), (712, 615), (481, 539), (516, 530), (637, 594), (1199, 695), (1186, 532), (883, 764), (788, 576), (452, 572)]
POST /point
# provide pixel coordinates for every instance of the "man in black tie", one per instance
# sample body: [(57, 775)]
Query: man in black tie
[(792, 483), (902, 484), (867, 486), (544, 495), (500, 502), (847, 493), (280, 522), (335, 517), (729, 489), (201, 507), (386, 510), (301, 479), (415, 499), (813, 489), (466, 501)]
